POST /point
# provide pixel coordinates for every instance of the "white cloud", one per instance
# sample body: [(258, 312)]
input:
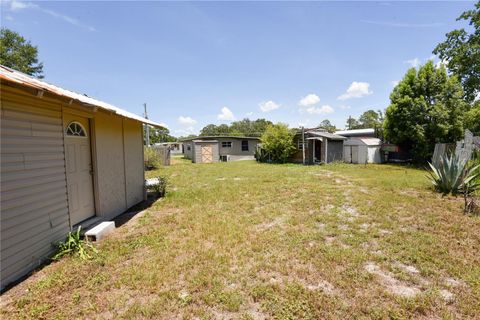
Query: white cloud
[(326, 109), (415, 62), (268, 106), (16, 5), (19, 5), (403, 24), (304, 123), (249, 114), (309, 100), (226, 114), (9, 18), (186, 121), (344, 107), (394, 83), (356, 90), (185, 132)]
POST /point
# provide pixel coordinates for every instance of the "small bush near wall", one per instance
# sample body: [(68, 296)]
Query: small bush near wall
[(75, 245), (158, 186)]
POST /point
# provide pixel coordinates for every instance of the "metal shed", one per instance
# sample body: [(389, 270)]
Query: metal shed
[(66, 160), (362, 150)]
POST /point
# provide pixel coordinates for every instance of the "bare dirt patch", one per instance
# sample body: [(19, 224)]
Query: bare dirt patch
[(277, 222), (393, 285)]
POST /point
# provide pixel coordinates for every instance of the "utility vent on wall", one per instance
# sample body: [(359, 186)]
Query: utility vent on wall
[(225, 158)]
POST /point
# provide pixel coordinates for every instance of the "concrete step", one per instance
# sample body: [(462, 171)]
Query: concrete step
[(100, 231)]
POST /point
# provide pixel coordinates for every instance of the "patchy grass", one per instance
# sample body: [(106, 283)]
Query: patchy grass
[(255, 241)]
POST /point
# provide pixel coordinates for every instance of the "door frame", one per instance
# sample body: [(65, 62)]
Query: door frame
[(89, 116)]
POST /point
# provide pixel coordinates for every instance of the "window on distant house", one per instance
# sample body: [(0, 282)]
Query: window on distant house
[(244, 145), (300, 145), (188, 147), (226, 144)]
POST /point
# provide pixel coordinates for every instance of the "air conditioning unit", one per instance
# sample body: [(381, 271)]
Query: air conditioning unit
[(225, 158)]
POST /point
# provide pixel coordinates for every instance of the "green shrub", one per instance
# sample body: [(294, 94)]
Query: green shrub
[(454, 176), (161, 187), (152, 158), (261, 155), (74, 245), (277, 143)]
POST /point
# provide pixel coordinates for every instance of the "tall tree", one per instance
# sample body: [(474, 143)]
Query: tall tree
[(426, 107), (160, 135), (19, 54), (352, 123), (370, 119), (472, 119), (327, 125), (461, 51)]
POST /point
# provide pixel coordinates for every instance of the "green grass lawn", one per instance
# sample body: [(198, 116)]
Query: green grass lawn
[(244, 240)]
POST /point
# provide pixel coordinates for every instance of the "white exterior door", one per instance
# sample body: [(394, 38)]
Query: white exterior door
[(79, 169), (347, 154), (354, 154)]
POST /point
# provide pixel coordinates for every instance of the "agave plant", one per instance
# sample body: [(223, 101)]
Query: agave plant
[(452, 175)]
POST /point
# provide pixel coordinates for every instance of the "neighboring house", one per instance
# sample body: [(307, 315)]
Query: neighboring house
[(221, 148), (174, 147), (320, 146), (66, 160)]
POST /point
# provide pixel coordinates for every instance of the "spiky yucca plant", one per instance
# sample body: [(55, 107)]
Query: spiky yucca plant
[(452, 175)]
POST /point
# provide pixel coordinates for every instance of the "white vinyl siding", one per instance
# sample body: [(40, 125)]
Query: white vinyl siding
[(34, 208)]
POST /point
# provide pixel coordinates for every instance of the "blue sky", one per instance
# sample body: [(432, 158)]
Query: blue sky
[(196, 63)]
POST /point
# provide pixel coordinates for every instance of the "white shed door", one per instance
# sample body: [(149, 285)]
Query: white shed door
[(79, 170), (347, 154), (354, 154)]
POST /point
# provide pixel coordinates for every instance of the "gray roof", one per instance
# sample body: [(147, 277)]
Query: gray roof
[(325, 134), (200, 140), (357, 132)]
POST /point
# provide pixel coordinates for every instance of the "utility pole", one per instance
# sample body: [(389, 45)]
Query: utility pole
[(303, 144), (147, 129)]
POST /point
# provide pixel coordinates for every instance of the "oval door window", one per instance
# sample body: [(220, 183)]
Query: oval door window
[(75, 129)]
